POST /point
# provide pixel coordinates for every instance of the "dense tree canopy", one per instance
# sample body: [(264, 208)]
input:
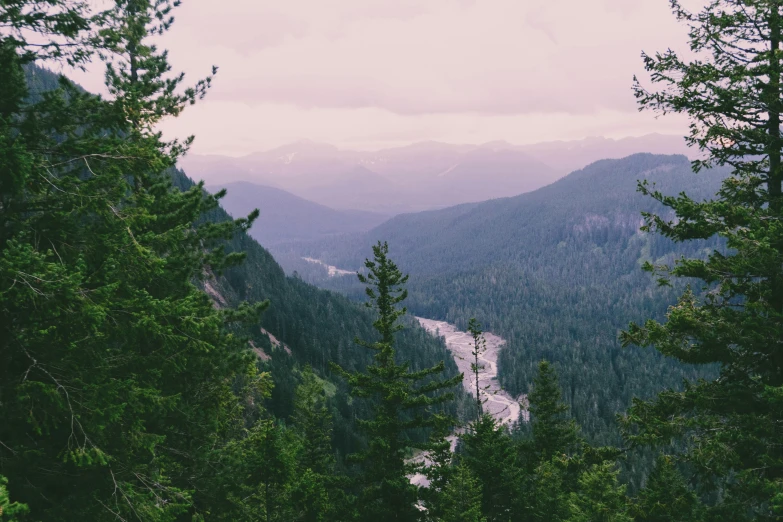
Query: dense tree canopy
[(145, 376), (730, 426)]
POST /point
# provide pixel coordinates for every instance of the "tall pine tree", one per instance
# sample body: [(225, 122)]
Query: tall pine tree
[(317, 491), (551, 451), (666, 497), (600, 497), (731, 91), (553, 432), (488, 451), (119, 379), (462, 498), (402, 400), (479, 347)]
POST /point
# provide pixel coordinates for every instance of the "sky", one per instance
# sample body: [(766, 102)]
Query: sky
[(368, 74)]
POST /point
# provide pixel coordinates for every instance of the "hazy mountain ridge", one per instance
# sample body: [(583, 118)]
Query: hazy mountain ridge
[(602, 195), (419, 176)]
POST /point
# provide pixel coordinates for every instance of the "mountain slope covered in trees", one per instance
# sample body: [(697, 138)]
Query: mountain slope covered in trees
[(137, 361), (286, 217), (303, 327), (556, 272)]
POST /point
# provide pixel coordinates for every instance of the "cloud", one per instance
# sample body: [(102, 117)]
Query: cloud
[(491, 56), (436, 65)]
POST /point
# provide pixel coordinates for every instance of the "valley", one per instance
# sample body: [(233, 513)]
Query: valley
[(506, 409), (555, 272), (497, 402), (419, 321)]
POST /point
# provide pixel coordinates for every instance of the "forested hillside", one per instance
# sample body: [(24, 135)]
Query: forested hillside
[(557, 272), (303, 325), (286, 217), (152, 309), (157, 365), (318, 327)]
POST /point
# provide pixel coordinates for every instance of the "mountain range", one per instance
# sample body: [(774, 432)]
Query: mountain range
[(420, 176)]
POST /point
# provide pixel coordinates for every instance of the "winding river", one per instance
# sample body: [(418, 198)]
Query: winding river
[(497, 402)]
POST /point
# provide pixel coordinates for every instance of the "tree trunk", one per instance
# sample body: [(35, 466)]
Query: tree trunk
[(775, 174), (774, 180)]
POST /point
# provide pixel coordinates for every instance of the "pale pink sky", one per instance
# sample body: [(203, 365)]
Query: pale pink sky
[(374, 73)]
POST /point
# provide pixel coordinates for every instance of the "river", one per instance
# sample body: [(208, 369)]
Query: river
[(497, 402)]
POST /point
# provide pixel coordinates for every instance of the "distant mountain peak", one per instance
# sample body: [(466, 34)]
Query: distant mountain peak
[(302, 148), (496, 145)]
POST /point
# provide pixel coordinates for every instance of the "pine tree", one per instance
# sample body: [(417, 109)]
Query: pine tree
[(546, 493), (34, 30), (666, 497), (313, 420), (479, 347), (462, 498), (262, 468), (554, 433), (732, 94), (551, 451), (488, 451), (399, 405), (600, 497), (317, 494), (437, 466), (116, 371)]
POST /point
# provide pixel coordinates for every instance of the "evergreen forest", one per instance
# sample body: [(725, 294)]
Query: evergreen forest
[(156, 363)]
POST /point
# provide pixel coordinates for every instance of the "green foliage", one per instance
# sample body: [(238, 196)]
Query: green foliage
[(551, 451), (548, 493), (462, 498), (733, 314), (398, 403), (129, 390), (116, 371), (10, 511), (55, 29), (541, 472), (264, 463), (555, 272), (666, 497), (488, 452), (438, 466), (313, 420), (318, 489), (554, 433), (600, 497), (319, 328)]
